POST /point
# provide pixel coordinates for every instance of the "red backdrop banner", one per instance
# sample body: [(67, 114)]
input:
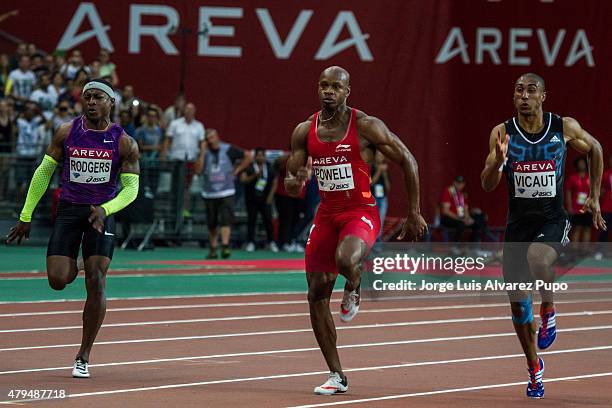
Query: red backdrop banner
[(438, 72)]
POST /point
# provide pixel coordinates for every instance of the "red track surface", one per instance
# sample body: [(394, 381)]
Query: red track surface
[(274, 340)]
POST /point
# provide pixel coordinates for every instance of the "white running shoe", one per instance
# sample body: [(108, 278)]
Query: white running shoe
[(273, 247), (334, 385), (80, 369), (298, 247), (250, 247), (350, 305)]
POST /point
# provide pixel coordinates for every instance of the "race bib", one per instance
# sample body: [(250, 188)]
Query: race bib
[(581, 199), (261, 184), (379, 191), (90, 165), (334, 178), (534, 179)]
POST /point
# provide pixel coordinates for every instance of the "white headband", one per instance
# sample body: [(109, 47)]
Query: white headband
[(100, 86)]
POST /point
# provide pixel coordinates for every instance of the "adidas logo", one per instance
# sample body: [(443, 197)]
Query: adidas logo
[(555, 139)]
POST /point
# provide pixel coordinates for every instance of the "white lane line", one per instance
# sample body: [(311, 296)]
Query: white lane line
[(142, 275), (277, 303), (285, 315), (303, 293), (297, 292), (453, 390), (305, 374), (378, 325), (300, 350)]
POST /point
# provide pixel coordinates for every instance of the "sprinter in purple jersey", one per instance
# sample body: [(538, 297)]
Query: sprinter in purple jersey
[(95, 154)]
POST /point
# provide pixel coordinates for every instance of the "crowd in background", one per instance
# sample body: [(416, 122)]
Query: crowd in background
[(40, 91)]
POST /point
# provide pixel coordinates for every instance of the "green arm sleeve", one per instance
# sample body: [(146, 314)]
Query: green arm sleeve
[(127, 194), (38, 186)]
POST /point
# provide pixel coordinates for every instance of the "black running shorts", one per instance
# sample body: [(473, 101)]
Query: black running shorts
[(72, 228)]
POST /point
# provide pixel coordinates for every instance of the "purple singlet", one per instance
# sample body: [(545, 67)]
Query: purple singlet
[(91, 164)]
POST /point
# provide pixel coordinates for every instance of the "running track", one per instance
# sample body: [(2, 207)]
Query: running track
[(259, 351)]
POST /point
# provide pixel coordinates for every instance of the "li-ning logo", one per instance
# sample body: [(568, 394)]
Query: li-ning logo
[(555, 139), (364, 219), (343, 148)]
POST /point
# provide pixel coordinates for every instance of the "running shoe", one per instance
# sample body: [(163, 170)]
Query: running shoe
[(225, 253), (80, 369), (548, 330), (535, 386), (350, 304), (334, 385)]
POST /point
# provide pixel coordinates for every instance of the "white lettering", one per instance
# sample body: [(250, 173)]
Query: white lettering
[(580, 40), (204, 47), (357, 39), (489, 40), (516, 45), (447, 52), (283, 51), (71, 39), (550, 56), (490, 47), (160, 33)]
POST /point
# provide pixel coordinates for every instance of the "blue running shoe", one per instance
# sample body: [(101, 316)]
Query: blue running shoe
[(548, 330), (535, 386)]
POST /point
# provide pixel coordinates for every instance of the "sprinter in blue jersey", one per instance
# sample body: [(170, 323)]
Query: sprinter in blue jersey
[(530, 150)]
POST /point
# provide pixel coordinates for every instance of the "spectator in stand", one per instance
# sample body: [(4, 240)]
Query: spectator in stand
[(107, 68), (4, 72), (455, 212), (260, 183), (56, 87), (606, 209), (149, 138), (21, 82), (41, 95), (183, 143), (288, 209), (94, 69), (37, 64), (7, 139), (31, 50), (7, 129), (22, 49), (59, 60), (380, 187), (81, 78), (128, 98), (74, 65), (576, 193), (63, 114), (68, 94), (175, 111), (126, 122), (27, 147), (219, 163), (49, 62)]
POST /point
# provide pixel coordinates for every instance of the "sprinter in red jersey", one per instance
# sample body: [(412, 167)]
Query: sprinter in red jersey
[(338, 143)]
